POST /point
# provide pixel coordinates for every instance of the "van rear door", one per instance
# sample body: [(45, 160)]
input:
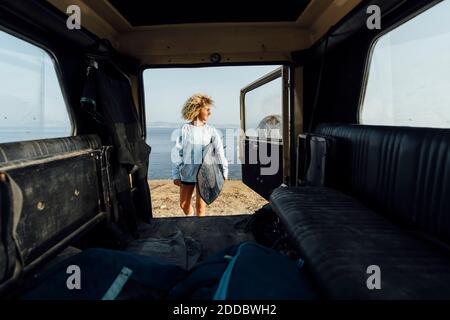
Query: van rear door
[(264, 138)]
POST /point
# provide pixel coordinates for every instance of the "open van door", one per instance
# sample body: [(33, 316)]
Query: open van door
[(264, 137)]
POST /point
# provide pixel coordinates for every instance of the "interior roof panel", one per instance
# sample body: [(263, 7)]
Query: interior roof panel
[(142, 13)]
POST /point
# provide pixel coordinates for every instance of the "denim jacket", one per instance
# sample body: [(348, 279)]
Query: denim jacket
[(187, 154)]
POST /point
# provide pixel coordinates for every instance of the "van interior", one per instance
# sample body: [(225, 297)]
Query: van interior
[(358, 209)]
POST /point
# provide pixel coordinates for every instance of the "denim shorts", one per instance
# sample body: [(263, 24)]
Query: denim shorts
[(188, 183)]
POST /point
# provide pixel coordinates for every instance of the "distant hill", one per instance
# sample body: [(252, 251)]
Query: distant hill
[(162, 124)]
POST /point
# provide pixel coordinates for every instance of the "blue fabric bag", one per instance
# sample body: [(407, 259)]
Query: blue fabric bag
[(108, 275), (247, 271)]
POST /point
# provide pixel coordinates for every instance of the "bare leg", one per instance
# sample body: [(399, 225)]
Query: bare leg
[(200, 205), (186, 192)]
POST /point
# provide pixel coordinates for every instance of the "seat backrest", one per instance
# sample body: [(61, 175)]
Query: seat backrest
[(402, 172), (51, 192)]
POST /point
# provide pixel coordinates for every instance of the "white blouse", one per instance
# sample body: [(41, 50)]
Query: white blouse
[(187, 155)]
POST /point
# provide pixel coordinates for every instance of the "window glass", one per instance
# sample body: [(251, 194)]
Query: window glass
[(33, 106), (408, 81), (263, 110)]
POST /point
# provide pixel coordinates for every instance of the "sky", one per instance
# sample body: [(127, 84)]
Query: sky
[(167, 89), (29, 88)]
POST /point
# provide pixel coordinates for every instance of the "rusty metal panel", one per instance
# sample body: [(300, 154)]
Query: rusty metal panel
[(24, 150), (60, 194)]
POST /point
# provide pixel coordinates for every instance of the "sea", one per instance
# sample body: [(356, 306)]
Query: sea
[(161, 141)]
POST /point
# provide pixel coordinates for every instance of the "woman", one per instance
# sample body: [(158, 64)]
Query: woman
[(187, 155)]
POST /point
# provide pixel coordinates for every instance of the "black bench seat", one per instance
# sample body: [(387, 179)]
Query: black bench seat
[(340, 238), (391, 209)]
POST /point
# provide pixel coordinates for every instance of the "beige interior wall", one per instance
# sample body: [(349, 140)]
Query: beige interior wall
[(194, 43), (329, 17), (110, 14), (90, 19)]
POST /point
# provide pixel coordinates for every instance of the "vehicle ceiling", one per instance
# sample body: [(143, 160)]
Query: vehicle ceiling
[(195, 29)]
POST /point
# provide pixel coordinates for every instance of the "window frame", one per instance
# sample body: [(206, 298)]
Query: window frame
[(369, 55), (272, 76), (59, 76)]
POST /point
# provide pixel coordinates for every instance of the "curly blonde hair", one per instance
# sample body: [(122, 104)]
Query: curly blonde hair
[(192, 106)]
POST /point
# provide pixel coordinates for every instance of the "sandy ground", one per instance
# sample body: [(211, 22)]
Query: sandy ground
[(236, 198)]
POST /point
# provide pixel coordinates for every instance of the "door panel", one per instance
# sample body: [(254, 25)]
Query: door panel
[(51, 192), (251, 175), (27, 150), (264, 137), (57, 207)]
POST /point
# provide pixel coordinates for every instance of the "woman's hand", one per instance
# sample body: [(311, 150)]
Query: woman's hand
[(177, 182)]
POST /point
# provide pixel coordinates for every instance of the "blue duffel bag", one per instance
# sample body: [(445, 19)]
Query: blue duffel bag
[(105, 275), (247, 271)]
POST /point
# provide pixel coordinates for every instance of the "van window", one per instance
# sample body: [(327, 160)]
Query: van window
[(263, 109), (408, 82), (33, 106)]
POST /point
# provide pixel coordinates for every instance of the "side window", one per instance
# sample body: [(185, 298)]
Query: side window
[(263, 110), (32, 105), (408, 82)]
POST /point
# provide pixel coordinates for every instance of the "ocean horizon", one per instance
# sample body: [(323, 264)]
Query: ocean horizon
[(159, 138), (162, 142)]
